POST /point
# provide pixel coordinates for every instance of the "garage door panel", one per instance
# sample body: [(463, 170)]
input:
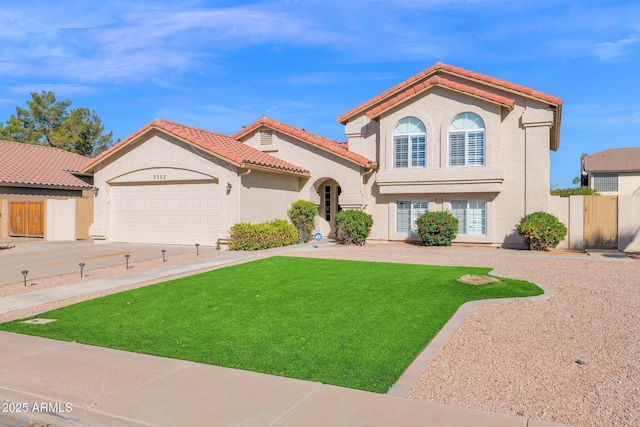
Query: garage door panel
[(165, 213)]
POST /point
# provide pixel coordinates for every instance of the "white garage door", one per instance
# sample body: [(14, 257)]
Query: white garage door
[(180, 214)]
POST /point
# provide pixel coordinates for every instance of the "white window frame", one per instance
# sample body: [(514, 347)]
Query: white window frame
[(413, 153), (415, 209), (471, 215), (470, 146)]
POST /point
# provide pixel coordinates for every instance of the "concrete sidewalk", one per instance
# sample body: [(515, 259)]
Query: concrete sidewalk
[(70, 384), (76, 385)]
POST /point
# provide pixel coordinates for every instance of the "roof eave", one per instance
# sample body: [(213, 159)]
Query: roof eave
[(45, 186), (291, 135), (254, 166)]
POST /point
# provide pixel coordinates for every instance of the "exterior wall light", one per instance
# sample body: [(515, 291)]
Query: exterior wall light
[(95, 191), (229, 186)]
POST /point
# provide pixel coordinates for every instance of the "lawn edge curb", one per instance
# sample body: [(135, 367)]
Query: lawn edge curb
[(412, 374)]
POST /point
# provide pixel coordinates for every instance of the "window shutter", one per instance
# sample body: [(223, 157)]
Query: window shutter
[(401, 151), (456, 149), (403, 212), (476, 148), (459, 210)]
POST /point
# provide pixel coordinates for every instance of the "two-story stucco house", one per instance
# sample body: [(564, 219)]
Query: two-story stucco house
[(446, 138), (613, 172)]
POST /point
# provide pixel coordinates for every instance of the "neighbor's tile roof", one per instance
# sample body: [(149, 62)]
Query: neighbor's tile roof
[(613, 160), (340, 149), (34, 165), (222, 146), (423, 81)]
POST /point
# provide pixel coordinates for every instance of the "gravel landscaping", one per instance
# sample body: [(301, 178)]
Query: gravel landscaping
[(571, 359)]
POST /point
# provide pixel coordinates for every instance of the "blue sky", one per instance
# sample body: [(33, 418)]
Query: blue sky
[(221, 65)]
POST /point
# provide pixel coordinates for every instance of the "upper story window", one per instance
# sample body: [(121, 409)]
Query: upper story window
[(409, 144), (466, 140)]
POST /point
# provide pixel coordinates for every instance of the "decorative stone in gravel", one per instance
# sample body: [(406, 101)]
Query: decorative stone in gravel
[(474, 279)]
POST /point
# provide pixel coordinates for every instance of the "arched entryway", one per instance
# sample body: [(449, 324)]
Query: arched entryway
[(327, 193)]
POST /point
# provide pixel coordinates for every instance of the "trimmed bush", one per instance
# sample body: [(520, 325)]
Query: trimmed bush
[(437, 228), (541, 231), (302, 215), (577, 191), (245, 236), (353, 226)]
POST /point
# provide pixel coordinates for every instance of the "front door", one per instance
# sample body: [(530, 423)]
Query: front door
[(26, 219), (330, 207)]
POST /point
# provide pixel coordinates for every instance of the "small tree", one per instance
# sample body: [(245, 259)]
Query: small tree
[(302, 215), (437, 228), (353, 226), (541, 231)]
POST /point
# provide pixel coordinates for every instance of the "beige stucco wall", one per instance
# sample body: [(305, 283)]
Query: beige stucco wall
[(264, 196), (158, 154), (629, 223), (324, 167), (570, 211), (514, 180), (61, 219)]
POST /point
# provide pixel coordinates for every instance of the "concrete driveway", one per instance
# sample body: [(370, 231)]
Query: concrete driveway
[(46, 259)]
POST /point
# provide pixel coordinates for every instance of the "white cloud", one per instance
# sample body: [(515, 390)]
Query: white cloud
[(608, 51)]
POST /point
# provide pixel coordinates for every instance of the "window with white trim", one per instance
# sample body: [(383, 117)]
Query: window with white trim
[(407, 212), (603, 183), (466, 140), (471, 215), (409, 144)]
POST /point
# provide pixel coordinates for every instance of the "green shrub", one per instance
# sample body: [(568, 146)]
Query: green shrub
[(437, 228), (302, 215), (353, 226), (245, 236), (541, 231), (577, 191)]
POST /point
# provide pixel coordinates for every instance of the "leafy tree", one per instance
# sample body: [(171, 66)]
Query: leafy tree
[(48, 122)]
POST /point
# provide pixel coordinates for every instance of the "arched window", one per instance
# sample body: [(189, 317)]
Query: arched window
[(466, 140), (409, 143)]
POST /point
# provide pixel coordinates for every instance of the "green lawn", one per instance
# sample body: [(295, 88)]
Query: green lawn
[(348, 323)]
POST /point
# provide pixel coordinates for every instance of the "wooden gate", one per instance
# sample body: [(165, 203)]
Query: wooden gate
[(26, 219), (84, 217), (600, 222)]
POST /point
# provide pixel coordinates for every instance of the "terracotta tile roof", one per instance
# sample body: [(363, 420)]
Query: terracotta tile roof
[(340, 149), (222, 146), (35, 165), (419, 78), (613, 160), (439, 81), (420, 82)]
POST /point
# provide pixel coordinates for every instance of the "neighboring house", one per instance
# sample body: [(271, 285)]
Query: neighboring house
[(614, 172), (446, 138), (42, 194)]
